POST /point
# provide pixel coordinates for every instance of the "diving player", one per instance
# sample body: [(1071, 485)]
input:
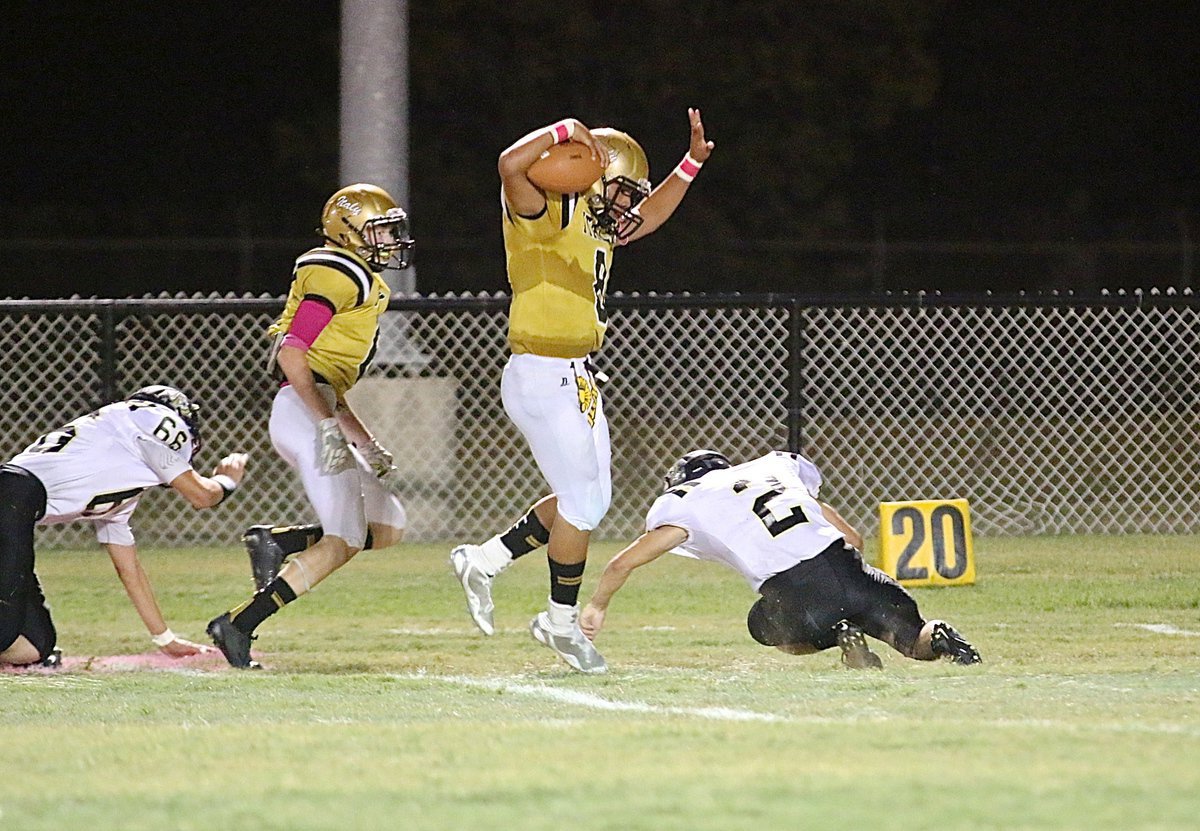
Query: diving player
[(559, 251), (96, 468), (764, 520), (324, 342)]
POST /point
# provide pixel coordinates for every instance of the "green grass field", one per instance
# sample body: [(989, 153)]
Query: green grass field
[(382, 707)]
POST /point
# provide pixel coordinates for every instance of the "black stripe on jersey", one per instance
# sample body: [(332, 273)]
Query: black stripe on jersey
[(568, 208), (537, 215), (324, 301), (340, 262)]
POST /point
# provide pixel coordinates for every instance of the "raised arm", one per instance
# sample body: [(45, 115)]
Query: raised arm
[(664, 199), (645, 549), (521, 194)]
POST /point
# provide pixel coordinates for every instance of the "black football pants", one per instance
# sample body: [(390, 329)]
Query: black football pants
[(801, 605), (22, 605)]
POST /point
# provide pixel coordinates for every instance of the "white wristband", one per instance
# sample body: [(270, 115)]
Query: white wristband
[(227, 484), (163, 638)]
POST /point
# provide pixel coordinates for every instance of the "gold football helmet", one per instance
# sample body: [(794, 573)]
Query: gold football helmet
[(624, 184), (366, 220)]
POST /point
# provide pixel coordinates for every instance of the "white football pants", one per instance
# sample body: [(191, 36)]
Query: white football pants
[(344, 502), (557, 406)]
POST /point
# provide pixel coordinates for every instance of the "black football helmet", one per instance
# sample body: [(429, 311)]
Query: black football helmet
[(174, 399), (694, 465)]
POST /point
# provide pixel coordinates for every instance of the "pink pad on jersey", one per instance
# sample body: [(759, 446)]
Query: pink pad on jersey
[(310, 320)]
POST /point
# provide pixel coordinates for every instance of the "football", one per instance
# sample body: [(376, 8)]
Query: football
[(565, 168)]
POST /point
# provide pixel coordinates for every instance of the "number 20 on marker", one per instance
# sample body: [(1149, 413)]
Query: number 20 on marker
[(927, 543)]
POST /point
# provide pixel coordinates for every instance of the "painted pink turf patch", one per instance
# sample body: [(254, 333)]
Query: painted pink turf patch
[(205, 661)]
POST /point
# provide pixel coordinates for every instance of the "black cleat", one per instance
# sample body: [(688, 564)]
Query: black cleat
[(266, 557), (855, 652), (946, 642), (233, 642), (53, 660)]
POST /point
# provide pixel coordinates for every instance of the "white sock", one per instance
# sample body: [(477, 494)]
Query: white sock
[(562, 618), (494, 556)]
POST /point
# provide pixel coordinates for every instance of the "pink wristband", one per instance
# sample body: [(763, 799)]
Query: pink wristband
[(688, 168), (562, 131)]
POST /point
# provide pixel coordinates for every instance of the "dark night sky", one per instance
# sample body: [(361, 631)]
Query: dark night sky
[(1052, 121)]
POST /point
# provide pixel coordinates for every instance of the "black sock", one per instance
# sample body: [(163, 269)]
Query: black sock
[(527, 534), (265, 603), (293, 538), (565, 581)]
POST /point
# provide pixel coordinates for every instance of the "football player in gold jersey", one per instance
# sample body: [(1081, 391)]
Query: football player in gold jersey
[(559, 250), (324, 342)]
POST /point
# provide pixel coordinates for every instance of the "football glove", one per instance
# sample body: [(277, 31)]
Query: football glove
[(391, 481), (332, 450), (377, 458)]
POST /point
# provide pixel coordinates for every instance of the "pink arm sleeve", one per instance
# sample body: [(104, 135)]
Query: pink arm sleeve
[(311, 318)]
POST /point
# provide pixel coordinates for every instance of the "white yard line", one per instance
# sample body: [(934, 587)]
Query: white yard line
[(1161, 629), (873, 715), (593, 701)]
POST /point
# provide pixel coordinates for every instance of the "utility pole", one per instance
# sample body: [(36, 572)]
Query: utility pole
[(374, 104)]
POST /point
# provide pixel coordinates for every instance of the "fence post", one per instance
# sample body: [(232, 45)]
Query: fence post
[(795, 422), (108, 353)]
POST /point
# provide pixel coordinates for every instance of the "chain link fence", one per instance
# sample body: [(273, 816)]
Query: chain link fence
[(1050, 414)]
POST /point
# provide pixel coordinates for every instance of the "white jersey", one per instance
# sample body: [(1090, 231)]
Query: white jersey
[(96, 467), (761, 517)]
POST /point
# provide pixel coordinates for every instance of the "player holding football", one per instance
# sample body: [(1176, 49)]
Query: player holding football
[(763, 519), (324, 342), (559, 251), (95, 468)]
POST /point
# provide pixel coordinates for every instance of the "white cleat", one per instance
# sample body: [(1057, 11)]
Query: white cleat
[(573, 647), (477, 586)]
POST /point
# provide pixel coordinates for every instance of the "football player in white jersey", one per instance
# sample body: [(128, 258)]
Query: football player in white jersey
[(95, 469), (764, 520)]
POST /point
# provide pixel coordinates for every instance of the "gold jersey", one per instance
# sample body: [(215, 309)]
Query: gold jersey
[(558, 264), (343, 281)]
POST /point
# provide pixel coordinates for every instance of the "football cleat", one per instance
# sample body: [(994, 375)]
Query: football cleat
[(573, 647), (266, 557), (53, 660), (233, 642), (946, 642), (853, 643), (477, 586)]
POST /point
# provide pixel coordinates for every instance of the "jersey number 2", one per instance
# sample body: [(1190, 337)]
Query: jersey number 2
[(772, 516)]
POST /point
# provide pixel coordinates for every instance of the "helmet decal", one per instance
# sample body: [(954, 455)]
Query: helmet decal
[(366, 220)]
